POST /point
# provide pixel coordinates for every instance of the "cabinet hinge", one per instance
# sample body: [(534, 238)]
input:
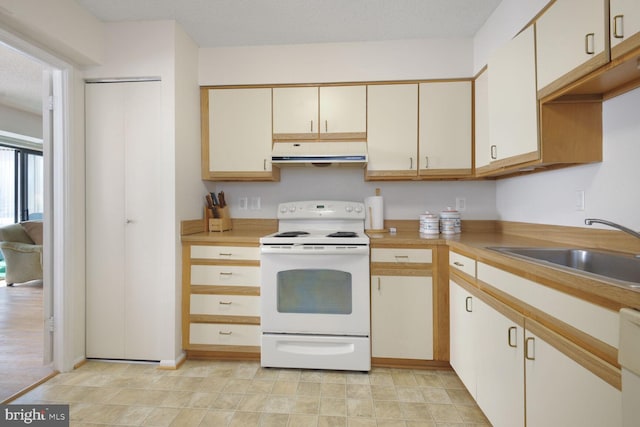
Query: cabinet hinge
[(50, 103), (50, 324)]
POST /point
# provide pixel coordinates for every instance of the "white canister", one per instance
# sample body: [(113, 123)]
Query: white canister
[(450, 222), (429, 223)]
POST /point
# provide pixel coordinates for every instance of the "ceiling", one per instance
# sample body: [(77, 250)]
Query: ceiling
[(218, 23)]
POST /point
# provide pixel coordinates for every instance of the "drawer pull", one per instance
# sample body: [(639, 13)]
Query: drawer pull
[(225, 254), (225, 302), (529, 348), (225, 273), (458, 264), (467, 304), (224, 333), (512, 337), (402, 257)]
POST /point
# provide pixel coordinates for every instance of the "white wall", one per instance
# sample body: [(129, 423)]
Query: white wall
[(610, 187), (347, 62), (20, 122)]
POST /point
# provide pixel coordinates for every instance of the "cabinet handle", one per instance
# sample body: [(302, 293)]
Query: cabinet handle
[(224, 302), (224, 273), (378, 284), (264, 164), (224, 333), (512, 338), (468, 304), (426, 162), (589, 45), (618, 28), (410, 163), (494, 152), (401, 257), (458, 264), (529, 348), (326, 126), (224, 254), (311, 124)]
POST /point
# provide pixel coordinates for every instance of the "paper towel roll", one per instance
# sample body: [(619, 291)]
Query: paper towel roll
[(374, 213)]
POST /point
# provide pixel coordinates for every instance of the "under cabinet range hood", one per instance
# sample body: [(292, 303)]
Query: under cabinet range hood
[(320, 153)]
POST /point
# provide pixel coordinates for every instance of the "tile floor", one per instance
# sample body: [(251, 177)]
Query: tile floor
[(218, 393)]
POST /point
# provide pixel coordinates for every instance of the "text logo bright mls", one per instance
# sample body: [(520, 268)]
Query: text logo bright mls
[(37, 415)]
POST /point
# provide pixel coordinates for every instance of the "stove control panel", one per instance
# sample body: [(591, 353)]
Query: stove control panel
[(326, 209)]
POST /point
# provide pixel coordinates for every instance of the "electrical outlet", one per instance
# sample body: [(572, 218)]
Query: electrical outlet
[(461, 204), (579, 201), (243, 203), (255, 204)]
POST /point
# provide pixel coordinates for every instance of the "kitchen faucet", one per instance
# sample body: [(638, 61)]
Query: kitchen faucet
[(590, 221)]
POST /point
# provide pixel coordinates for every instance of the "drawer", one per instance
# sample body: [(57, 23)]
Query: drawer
[(223, 334), (465, 264), (222, 275), (225, 252), (590, 318), (401, 256), (226, 305)]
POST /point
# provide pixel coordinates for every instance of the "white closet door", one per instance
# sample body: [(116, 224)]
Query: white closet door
[(122, 168)]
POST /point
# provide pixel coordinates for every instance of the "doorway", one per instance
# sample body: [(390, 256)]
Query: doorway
[(25, 179)]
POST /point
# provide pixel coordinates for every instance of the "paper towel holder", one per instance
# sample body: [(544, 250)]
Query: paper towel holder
[(369, 213)]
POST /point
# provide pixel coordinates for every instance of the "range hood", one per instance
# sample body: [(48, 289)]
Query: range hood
[(320, 153)]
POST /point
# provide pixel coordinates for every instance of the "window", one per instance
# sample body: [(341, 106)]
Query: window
[(21, 184)]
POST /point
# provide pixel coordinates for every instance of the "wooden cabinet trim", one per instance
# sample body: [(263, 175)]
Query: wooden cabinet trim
[(224, 290), (228, 320), (605, 371)]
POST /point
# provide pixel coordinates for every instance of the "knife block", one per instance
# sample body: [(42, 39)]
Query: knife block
[(217, 224)]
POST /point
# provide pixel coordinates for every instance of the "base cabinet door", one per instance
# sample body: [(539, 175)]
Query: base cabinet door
[(561, 392), (402, 317), (462, 342), (500, 371)]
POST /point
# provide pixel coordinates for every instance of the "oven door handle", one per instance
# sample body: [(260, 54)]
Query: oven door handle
[(316, 250)]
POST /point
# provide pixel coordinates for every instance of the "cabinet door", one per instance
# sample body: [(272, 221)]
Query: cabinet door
[(123, 127), (239, 130), (445, 128), (402, 317), (392, 139), (343, 112), (481, 113), (295, 113), (513, 122), (561, 392), (462, 339), (499, 352), (624, 26), (570, 34)]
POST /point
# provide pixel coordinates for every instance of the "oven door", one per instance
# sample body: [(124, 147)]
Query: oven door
[(315, 290)]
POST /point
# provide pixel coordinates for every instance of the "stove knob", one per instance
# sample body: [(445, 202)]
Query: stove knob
[(283, 209), (349, 208), (358, 208), (292, 208)]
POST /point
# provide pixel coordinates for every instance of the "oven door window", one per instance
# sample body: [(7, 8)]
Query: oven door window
[(317, 291)]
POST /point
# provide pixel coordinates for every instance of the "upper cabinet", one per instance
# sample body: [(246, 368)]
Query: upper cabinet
[(392, 139), (236, 135), (445, 129), (624, 26), (513, 107), (572, 41), (327, 112)]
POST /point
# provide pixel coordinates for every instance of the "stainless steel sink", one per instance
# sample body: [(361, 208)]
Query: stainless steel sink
[(624, 269)]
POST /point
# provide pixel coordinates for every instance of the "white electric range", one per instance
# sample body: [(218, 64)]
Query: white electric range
[(315, 288)]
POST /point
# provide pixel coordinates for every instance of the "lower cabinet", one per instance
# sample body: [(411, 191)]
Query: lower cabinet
[(520, 372), (221, 300), (402, 317)]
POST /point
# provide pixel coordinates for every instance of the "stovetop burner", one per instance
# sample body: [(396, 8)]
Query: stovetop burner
[(343, 234), (292, 234)]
